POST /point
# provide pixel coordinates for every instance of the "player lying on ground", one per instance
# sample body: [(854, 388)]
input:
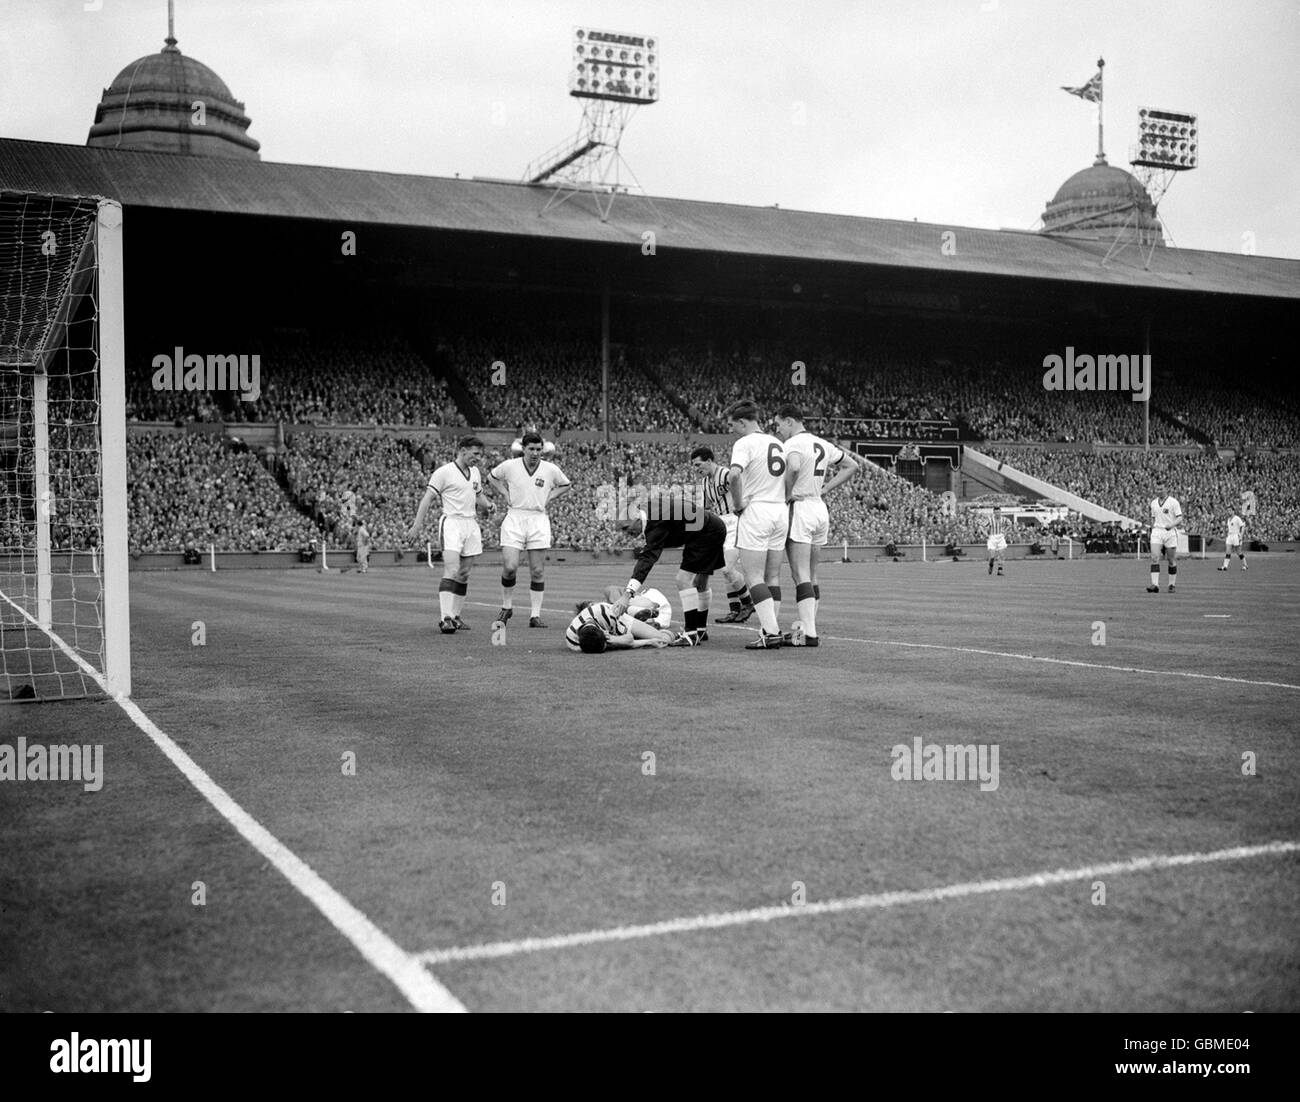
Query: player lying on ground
[(810, 458), (459, 486), (1166, 520), (675, 520), (600, 626)]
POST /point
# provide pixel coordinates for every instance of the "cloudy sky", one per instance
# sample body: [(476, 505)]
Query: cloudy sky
[(948, 111)]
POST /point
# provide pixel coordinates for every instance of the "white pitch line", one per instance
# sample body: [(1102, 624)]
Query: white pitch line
[(422, 991), (879, 901), (1069, 662)]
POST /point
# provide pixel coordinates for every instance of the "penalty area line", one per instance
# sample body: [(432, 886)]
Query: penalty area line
[(410, 977), (879, 901)]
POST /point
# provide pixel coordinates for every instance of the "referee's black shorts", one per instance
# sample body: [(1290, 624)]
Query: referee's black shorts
[(702, 549)]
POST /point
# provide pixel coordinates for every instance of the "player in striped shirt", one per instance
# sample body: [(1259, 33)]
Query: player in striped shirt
[(997, 542), (459, 486), (600, 626), (810, 458), (1166, 520), (717, 499), (760, 488), (1236, 530), (529, 484)]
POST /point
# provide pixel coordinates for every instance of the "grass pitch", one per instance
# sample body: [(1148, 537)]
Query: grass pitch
[(503, 793)]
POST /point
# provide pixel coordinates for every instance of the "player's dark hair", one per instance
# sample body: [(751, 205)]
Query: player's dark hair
[(744, 410), (791, 411), (468, 442), (591, 640), (531, 438), (702, 453)]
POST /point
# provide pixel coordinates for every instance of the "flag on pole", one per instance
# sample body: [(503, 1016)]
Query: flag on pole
[(1090, 91)]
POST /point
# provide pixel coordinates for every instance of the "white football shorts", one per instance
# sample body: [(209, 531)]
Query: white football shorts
[(526, 531), (810, 522), (763, 526), (460, 534), (1164, 537)]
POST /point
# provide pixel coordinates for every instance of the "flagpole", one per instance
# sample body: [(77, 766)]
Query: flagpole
[(1101, 151)]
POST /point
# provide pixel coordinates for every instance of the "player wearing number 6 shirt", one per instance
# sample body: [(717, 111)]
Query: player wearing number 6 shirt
[(760, 488), (810, 458), (459, 486), (529, 484), (1166, 519)]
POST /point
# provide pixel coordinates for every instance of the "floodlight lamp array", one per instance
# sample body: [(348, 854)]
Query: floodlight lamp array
[(1167, 139), (608, 65)]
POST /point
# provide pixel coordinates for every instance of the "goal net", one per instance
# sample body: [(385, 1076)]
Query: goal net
[(64, 627)]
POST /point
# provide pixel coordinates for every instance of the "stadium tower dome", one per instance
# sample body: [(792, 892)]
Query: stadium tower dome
[(1103, 201), (153, 105)]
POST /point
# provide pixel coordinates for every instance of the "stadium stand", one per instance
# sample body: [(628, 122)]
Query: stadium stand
[(1208, 488), (192, 489), (318, 377)]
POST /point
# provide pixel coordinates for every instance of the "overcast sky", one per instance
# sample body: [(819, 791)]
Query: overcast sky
[(938, 110)]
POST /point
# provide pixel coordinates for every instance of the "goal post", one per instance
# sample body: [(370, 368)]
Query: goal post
[(112, 428), (64, 611)]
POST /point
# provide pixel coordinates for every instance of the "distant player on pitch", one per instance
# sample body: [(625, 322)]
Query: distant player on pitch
[(1236, 530), (760, 488), (528, 484), (810, 458), (717, 499), (1166, 521), (997, 542), (459, 486)]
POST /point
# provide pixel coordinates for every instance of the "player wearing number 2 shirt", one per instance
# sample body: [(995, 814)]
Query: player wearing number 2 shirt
[(810, 458), (760, 488)]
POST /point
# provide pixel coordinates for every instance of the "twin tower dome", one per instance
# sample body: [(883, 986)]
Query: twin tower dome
[(169, 103)]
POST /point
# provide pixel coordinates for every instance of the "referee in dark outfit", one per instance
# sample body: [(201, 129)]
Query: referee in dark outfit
[(673, 519)]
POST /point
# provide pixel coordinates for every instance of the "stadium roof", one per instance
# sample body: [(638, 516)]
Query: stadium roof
[(162, 181)]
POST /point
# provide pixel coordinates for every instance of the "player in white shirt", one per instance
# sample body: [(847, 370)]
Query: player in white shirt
[(1236, 530), (459, 486), (717, 499), (648, 605), (528, 484), (810, 458), (997, 542), (760, 488), (1166, 521)]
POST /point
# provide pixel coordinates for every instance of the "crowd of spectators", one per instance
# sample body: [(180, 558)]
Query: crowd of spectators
[(318, 377), (1209, 489), (886, 390), (189, 490), (344, 478), (557, 384), (1230, 417)]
